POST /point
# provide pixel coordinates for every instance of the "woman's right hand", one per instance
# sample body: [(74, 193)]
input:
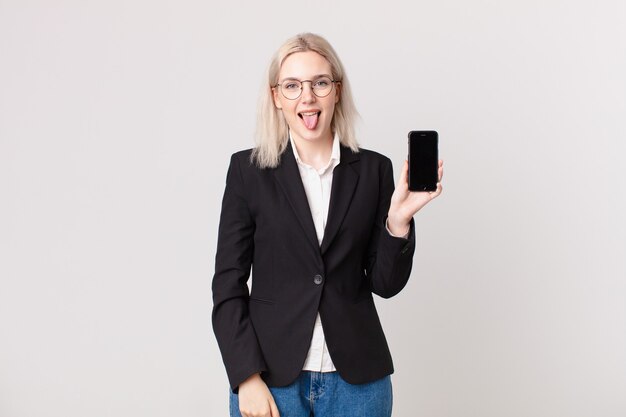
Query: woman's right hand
[(255, 398)]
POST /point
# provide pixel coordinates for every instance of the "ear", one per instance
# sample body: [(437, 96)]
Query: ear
[(276, 97), (338, 93)]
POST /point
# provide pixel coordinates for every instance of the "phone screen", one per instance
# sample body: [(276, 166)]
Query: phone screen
[(423, 160)]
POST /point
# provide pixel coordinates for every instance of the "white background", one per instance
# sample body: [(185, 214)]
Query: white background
[(117, 120)]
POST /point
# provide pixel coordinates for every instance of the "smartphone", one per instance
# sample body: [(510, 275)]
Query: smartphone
[(423, 160)]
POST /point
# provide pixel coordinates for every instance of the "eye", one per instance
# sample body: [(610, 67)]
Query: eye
[(291, 85), (322, 82)]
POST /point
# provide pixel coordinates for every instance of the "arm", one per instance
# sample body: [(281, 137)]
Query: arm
[(390, 257), (233, 328)]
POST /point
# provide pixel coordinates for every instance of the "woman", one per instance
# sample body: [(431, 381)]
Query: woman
[(318, 221)]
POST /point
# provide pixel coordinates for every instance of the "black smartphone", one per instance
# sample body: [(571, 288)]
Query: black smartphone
[(423, 160)]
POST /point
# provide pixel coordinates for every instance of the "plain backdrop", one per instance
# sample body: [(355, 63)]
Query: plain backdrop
[(117, 120)]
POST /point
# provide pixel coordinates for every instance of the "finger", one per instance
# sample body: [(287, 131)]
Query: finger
[(274, 409), (404, 172), (438, 191), (440, 169)]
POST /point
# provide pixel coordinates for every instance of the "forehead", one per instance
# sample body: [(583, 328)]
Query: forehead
[(304, 65)]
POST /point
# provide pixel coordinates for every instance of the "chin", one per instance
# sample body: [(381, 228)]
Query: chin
[(311, 136)]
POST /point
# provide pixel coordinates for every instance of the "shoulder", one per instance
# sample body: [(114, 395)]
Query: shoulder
[(243, 155), (243, 163), (368, 153), (372, 157), (242, 160)]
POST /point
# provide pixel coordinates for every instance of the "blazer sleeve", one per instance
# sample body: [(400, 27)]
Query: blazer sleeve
[(233, 328), (390, 258)]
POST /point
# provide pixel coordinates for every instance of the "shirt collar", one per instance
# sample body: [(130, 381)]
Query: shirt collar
[(335, 154)]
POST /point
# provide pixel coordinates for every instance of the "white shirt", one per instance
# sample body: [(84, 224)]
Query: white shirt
[(317, 185)]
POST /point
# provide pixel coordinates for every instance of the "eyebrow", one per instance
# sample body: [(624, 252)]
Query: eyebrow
[(314, 77)]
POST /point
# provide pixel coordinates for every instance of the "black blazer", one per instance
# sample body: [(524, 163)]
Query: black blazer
[(266, 224)]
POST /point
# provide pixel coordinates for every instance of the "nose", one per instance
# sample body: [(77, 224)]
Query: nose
[(307, 92)]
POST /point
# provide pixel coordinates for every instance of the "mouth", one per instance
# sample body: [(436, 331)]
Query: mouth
[(310, 119)]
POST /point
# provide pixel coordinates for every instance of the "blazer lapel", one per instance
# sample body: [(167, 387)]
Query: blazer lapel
[(345, 179), (288, 176)]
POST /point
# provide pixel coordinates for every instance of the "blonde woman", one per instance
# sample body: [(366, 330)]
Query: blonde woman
[(318, 222)]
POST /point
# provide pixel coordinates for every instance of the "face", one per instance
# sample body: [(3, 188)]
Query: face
[(309, 117)]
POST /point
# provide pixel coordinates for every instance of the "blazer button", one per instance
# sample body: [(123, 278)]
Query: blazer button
[(317, 279)]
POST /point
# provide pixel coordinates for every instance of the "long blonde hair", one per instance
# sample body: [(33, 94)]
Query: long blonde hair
[(272, 129)]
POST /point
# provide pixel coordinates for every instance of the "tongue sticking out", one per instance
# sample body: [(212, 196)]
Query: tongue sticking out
[(310, 121)]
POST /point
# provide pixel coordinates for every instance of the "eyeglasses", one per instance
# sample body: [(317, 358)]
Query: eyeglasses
[(292, 89)]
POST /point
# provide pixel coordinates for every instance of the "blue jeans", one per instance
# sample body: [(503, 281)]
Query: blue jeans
[(328, 395)]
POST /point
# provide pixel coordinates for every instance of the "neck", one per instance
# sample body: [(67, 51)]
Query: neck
[(315, 153)]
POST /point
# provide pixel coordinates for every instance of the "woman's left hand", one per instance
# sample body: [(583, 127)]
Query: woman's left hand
[(405, 203)]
